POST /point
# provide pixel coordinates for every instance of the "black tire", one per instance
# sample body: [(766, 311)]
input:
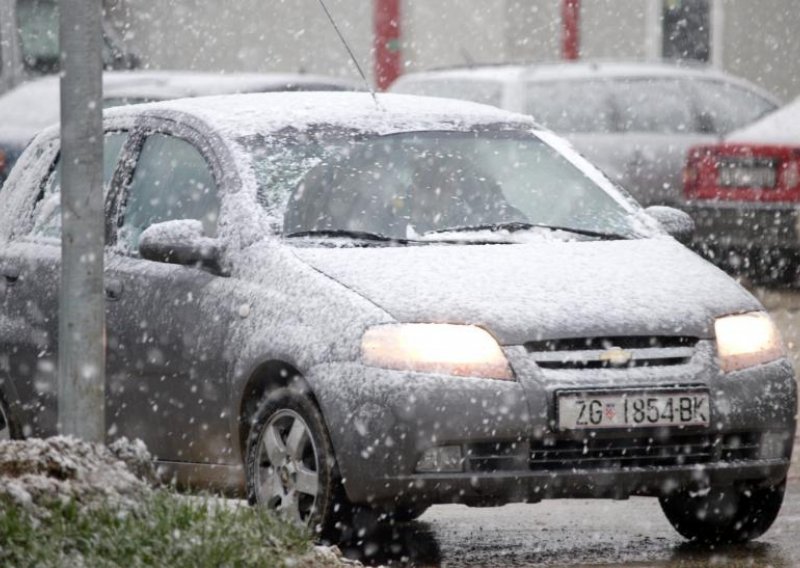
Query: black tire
[(328, 511), (727, 515)]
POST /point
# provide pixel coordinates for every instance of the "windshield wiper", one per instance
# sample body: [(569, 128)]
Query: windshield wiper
[(360, 235), (512, 226)]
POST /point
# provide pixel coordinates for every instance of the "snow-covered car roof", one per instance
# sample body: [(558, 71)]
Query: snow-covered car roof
[(779, 127), (236, 116), (35, 104)]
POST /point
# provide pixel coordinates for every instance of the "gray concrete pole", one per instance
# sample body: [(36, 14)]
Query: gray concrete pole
[(81, 341)]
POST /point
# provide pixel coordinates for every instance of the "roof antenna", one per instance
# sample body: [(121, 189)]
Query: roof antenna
[(352, 56)]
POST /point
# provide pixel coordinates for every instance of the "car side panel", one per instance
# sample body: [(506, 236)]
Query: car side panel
[(167, 370), (29, 332)]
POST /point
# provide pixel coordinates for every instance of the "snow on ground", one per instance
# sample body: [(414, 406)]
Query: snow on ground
[(36, 472)]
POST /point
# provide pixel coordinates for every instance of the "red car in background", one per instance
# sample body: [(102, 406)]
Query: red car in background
[(744, 194)]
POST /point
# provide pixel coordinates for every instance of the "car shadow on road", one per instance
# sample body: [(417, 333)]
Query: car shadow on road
[(400, 544)]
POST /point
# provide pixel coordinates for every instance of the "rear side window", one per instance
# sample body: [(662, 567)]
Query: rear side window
[(47, 213), (172, 181), (724, 107), (612, 105), (659, 106), (570, 106)]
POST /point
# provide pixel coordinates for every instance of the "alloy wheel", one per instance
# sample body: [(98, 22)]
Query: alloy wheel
[(288, 467)]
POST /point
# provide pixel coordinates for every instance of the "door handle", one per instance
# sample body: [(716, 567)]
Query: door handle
[(113, 289)]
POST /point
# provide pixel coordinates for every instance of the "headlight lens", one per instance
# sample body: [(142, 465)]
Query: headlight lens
[(461, 350), (746, 340)]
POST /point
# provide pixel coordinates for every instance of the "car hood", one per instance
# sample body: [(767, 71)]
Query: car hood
[(649, 166), (522, 292)]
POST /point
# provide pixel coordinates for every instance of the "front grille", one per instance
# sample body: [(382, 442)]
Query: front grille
[(613, 453), (741, 447), (496, 456), (643, 451), (612, 352)]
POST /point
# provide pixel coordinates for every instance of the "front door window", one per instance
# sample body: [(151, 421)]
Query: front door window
[(172, 181)]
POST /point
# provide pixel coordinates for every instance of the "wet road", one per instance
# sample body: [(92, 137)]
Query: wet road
[(590, 532), (576, 533), (579, 533)]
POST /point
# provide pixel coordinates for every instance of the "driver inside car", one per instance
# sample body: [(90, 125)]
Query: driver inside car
[(446, 192)]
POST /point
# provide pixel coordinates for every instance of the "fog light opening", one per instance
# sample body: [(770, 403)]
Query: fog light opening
[(773, 446), (441, 459)]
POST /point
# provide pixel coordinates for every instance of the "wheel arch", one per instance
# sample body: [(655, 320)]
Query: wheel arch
[(263, 378)]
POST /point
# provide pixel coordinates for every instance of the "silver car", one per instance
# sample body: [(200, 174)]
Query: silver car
[(634, 120), (337, 306)]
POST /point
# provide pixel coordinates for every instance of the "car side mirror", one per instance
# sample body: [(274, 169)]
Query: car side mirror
[(675, 222), (180, 241)]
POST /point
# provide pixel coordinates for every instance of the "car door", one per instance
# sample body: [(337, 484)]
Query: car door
[(30, 267), (166, 370)]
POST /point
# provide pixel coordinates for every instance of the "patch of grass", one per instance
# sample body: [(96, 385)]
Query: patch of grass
[(166, 530)]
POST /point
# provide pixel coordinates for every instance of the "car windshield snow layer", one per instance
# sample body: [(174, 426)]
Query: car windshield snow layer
[(407, 185)]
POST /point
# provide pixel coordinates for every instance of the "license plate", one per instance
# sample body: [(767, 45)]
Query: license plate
[(758, 174), (579, 411)]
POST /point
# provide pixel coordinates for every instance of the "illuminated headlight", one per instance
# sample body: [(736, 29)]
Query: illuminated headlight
[(461, 350), (746, 340)]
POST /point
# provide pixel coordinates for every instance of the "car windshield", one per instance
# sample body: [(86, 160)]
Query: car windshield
[(407, 185)]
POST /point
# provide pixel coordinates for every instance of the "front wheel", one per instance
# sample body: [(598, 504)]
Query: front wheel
[(290, 463), (724, 515)]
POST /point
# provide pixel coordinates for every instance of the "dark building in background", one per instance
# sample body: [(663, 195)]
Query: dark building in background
[(687, 30)]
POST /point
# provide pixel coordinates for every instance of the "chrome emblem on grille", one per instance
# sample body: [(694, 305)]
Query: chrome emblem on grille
[(616, 356)]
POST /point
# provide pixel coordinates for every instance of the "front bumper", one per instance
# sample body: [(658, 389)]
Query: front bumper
[(381, 422), (498, 488)]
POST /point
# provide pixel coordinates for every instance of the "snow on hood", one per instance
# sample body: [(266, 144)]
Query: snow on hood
[(542, 291), (779, 127)]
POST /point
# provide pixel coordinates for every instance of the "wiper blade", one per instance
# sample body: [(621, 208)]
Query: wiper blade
[(588, 232), (506, 226), (512, 226), (361, 235)]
